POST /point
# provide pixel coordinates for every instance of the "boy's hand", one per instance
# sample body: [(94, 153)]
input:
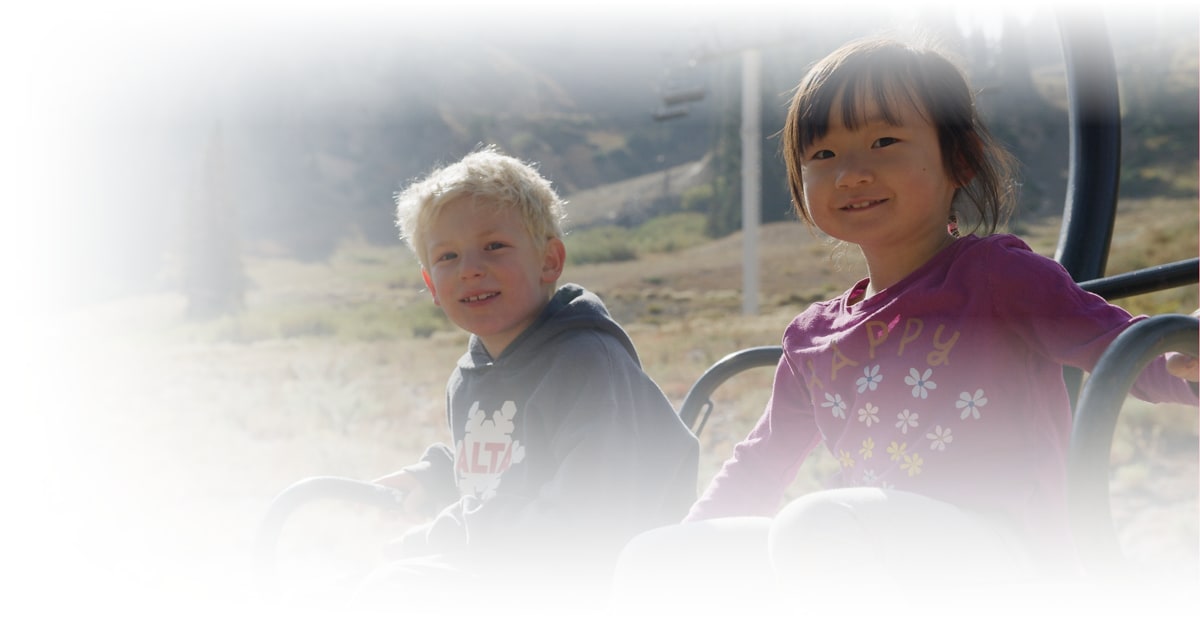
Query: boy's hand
[(416, 502)]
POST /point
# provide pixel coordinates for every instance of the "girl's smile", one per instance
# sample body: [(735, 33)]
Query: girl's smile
[(866, 204)]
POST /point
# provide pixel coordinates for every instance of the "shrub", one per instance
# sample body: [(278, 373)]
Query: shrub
[(599, 245), (663, 234), (669, 233)]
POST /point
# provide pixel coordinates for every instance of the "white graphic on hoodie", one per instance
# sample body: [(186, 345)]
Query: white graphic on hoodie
[(486, 451)]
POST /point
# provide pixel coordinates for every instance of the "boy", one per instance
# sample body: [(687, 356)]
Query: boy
[(563, 448)]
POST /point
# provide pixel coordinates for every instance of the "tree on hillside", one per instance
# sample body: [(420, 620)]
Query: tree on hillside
[(1159, 97), (212, 277), (1015, 70), (1023, 120), (725, 214)]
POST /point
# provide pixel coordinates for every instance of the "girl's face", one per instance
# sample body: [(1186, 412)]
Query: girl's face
[(486, 272), (881, 185)]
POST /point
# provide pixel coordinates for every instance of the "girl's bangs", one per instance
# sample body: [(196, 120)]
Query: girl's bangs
[(850, 92)]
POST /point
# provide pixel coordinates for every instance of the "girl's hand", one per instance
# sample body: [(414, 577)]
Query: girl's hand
[(1183, 365)]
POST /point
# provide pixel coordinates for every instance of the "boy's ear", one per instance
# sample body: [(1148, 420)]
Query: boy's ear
[(553, 260), (429, 284)]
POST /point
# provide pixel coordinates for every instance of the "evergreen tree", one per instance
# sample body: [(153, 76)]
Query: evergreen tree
[(725, 214), (212, 277)]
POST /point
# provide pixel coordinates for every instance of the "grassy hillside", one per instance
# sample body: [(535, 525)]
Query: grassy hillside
[(171, 437)]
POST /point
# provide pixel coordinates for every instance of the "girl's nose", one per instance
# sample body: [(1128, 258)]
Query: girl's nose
[(854, 173)]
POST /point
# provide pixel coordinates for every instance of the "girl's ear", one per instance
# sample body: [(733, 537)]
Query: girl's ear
[(429, 284), (553, 260), (964, 173)]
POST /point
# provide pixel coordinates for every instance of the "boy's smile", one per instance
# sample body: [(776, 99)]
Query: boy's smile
[(486, 272), (482, 297)]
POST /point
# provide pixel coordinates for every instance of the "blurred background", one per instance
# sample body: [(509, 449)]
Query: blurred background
[(207, 299), (310, 116)]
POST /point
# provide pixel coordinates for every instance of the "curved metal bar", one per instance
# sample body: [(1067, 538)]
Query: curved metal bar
[(1096, 420), (1094, 111), (697, 397), (1094, 159), (1146, 280), (306, 491)]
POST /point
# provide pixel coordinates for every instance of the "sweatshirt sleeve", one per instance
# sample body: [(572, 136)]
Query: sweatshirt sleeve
[(1036, 297), (618, 461), (752, 482), (435, 471)]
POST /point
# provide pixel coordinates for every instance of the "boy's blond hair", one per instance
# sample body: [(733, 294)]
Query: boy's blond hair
[(485, 173)]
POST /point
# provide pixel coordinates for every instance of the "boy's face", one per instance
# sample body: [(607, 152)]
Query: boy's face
[(486, 272)]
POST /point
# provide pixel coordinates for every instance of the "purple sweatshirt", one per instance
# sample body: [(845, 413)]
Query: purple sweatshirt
[(947, 384)]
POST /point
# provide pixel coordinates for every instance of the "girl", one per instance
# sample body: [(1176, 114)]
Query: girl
[(937, 380)]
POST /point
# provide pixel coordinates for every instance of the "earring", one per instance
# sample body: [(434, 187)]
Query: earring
[(952, 225)]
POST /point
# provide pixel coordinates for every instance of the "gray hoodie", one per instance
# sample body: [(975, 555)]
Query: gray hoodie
[(563, 447)]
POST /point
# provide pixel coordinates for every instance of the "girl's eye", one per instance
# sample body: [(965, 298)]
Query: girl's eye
[(885, 141), (445, 257), (494, 246), (821, 154)]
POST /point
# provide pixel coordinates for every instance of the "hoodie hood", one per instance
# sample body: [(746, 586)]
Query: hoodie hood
[(572, 307), (563, 448)]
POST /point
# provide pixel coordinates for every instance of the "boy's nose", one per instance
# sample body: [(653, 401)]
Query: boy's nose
[(470, 266)]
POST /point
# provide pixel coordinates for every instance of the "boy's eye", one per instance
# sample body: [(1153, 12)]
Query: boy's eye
[(444, 257), (885, 141), (494, 246)]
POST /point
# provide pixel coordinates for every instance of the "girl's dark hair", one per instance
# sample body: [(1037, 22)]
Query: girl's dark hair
[(884, 70)]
